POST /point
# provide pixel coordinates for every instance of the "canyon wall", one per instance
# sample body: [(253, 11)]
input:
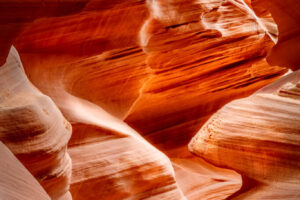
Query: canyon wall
[(286, 15), (163, 68), (34, 129), (16, 182), (258, 137)]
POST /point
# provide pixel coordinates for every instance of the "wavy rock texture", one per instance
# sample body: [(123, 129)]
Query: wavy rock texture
[(111, 161), (103, 44), (201, 56), (33, 128), (211, 56), (258, 137), (263, 17), (162, 66), (16, 183), (15, 14), (286, 15)]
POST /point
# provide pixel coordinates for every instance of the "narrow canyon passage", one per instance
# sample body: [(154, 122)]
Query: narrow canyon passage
[(156, 99)]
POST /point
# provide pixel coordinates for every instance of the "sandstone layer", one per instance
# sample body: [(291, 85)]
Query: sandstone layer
[(33, 128), (110, 159), (16, 183), (258, 137)]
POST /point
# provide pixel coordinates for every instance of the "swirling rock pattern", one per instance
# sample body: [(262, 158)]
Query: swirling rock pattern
[(33, 128), (140, 61), (258, 137), (111, 160), (16, 183), (205, 53), (161, 66), (108, 166)]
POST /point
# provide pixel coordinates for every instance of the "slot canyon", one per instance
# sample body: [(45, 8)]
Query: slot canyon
[(149, 99)]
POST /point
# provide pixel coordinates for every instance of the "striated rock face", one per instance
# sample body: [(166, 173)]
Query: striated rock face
[(200, 56), (258, 137), (117, 164), (16, 183), (102, 41), (111, 160), (15, 15), (162, 66), (33, 128)]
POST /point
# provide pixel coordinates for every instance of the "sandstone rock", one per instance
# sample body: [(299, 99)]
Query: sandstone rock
[(108, 166), (215, 54), (16, 183), (258, 137), (33, 128), (162, 66), (111, 160), (286, 15), (15, 14), (102, 44), (201, 56)]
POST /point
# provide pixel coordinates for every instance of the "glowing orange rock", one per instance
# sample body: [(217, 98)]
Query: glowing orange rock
[(162, 66)]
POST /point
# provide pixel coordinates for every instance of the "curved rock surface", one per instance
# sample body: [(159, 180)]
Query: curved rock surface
[(111, 160), (286, 15), (215, 54), (162, 66), (258, 137), (16, 183), (15, 15), (140, 61), (33, 128)]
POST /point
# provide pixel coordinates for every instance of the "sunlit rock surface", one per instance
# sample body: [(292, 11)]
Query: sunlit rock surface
[(258, 137), (110, 164), (16, 183), (111, 160), (33, 128)]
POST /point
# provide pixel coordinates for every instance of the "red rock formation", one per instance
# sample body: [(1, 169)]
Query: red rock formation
[(16, 183), (15, 14), (33, 128), (197, 65), (100, 47), (141, 67), (258, 137), (162, 66), (111, 160), (104, 149), (286, 15), (204, 63)]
